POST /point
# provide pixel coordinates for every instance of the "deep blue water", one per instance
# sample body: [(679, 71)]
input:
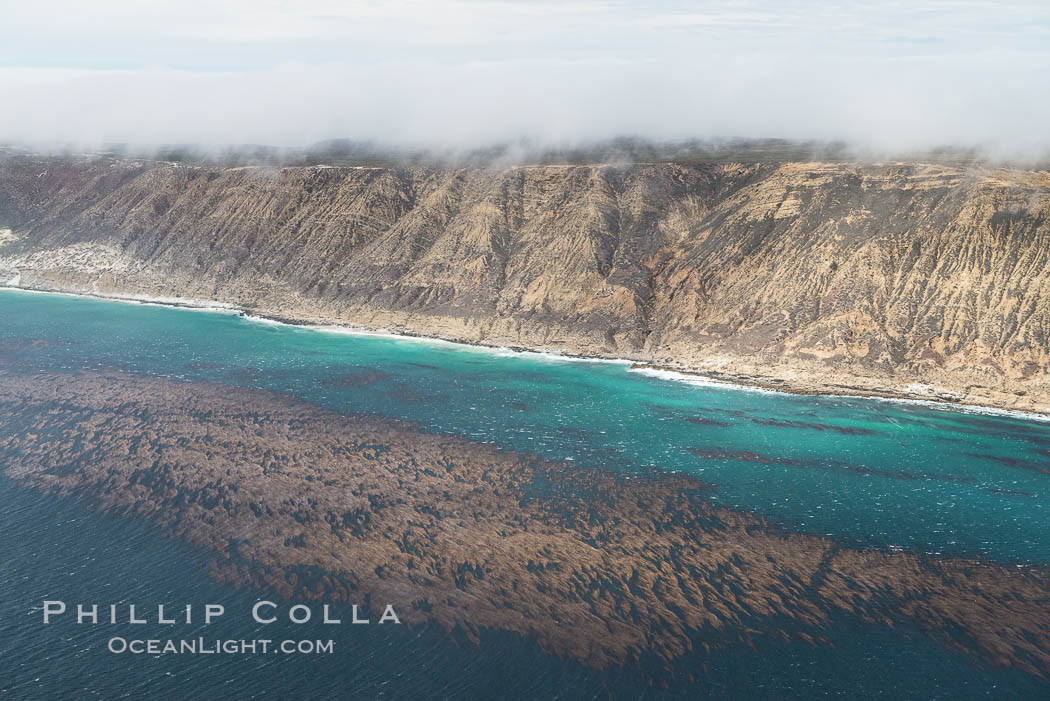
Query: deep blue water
[(861, 471)]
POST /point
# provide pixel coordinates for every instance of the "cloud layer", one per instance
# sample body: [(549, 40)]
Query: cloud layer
[(453, 73)]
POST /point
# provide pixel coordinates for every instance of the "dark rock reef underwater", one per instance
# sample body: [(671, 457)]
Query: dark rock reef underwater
[(813, 276), (604, 569)]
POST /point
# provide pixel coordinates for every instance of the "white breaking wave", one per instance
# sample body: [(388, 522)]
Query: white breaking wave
[(498, 351), (193, 305), (701, 381), (961, 408), (547, 356)]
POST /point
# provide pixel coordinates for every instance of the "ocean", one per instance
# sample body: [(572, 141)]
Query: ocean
[(866, 474)]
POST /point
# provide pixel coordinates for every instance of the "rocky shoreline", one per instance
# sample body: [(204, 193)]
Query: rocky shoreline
[(809, 387), (904, 280)]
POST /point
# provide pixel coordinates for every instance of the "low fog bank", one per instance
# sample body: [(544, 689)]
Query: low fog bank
[(872, 109), (452, 78), (620, 151)]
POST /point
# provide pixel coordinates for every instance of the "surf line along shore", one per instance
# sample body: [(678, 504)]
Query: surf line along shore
[(706, 378)]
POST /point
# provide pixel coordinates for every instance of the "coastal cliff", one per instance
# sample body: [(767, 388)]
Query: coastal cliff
[(897, 279)]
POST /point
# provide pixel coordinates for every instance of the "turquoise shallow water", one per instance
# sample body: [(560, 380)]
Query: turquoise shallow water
[(880, 474)]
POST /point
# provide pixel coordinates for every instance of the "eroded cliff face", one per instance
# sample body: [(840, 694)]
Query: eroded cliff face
[(905, 279)]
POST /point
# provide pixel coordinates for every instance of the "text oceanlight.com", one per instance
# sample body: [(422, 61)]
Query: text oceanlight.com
[(200, 646)]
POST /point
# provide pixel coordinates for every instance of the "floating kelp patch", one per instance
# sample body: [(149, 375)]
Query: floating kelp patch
[(359, 377), (600, 567)]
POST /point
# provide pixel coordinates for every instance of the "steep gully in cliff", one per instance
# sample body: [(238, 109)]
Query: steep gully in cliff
[(899, 279)]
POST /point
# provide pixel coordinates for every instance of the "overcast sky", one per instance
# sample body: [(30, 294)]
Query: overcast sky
[(456, 73)]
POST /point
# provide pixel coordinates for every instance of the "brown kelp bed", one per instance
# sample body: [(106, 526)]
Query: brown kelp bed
[(601, 567)]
